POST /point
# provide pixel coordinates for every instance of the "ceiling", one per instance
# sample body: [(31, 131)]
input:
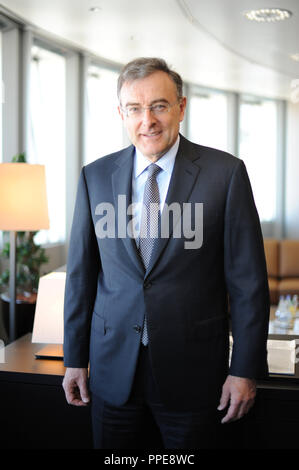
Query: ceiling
[(208, 42)]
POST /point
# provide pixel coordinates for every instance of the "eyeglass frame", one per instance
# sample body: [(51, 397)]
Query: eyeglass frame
[(143, 108)]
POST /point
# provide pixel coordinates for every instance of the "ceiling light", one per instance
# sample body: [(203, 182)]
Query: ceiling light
[(95, 9), (295, 56), (264, 15)]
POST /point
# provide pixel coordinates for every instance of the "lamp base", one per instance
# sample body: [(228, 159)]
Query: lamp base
[(51, 351)]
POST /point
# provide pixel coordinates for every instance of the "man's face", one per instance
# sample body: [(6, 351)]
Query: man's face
[(152, 134)]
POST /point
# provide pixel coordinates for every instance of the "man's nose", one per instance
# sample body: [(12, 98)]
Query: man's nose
[(148, 117)]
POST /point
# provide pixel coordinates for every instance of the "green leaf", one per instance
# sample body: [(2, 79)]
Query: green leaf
[(29, 257), (19, 158)]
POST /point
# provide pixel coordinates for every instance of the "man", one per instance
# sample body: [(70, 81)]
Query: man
[(149, 313)]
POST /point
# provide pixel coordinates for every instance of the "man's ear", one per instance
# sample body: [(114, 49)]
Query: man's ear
[(120, 112), (183, 105)]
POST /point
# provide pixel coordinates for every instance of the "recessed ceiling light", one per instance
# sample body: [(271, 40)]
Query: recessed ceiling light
[(95, 9), (264, 15), (295, 56)]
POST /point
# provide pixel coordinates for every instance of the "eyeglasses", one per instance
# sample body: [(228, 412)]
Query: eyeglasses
[(156, 109)]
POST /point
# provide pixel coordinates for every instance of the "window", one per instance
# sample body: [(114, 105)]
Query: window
[(104, 130), (46, 139), (258, 147), (207, 119)]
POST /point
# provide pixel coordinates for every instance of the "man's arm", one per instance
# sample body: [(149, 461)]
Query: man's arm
[(81, 285), (246, 279), (247, 284)]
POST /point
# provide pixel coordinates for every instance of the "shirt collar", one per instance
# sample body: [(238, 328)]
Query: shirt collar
[(166, 162)]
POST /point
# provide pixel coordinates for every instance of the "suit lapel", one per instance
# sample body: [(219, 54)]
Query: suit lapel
[(122, 186), (184, 176)]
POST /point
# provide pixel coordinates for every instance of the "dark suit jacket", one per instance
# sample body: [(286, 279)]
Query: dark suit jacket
[(183, 293)]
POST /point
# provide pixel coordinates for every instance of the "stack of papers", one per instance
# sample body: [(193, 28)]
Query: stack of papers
[(282, 356)]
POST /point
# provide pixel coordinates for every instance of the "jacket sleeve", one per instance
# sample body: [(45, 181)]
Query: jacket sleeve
[(83, 267), (246, 278)]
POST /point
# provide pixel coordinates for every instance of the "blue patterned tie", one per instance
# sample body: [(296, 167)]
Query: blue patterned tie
[(149, 224)]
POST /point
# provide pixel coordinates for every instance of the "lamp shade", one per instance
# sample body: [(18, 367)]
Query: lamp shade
[(23, 197), (48, 319)]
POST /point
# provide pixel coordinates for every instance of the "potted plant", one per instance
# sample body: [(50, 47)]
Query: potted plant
[(29, 258)]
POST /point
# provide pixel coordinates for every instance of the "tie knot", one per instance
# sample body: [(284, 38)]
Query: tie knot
[(153, 170)]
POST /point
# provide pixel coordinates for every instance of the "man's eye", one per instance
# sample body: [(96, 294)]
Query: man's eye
[(159, 107), (133, 109)]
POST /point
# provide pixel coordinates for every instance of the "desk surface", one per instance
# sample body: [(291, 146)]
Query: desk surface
[(19, 358), (20, 363)]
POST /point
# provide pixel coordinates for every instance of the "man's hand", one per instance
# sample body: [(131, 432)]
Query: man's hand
[(239, 393), (75, 386)]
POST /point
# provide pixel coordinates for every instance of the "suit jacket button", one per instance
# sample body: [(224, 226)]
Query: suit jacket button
[(137, 328), (147, 285)]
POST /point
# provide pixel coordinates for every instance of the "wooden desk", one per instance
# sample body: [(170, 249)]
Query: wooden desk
[(33, 411)]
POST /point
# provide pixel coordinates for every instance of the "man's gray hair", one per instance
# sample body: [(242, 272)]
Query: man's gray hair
[(145, 66)]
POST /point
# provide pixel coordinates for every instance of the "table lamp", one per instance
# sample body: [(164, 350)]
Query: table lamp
[(48, 318), (23, 207)]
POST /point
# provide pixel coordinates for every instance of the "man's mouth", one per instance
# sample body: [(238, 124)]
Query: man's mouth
[(151, 134)]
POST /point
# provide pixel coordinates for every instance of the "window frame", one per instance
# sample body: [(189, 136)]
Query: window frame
[(276, 227), (114, 68), (61, 52), (197, 90)]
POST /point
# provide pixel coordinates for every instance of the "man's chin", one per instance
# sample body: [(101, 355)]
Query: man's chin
[(154, 152)]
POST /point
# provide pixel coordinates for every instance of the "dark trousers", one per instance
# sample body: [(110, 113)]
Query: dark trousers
[(144, 423)]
